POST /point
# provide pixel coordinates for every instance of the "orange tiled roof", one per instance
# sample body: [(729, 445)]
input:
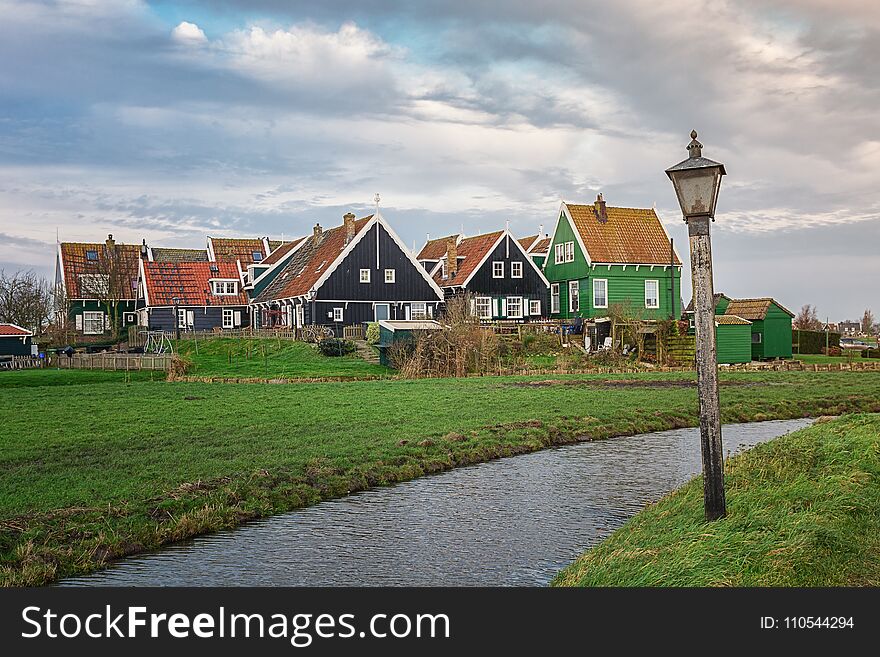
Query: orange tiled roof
[(630, 235), (75, 262), (753, 309), (436, 248), (311, 260), (281, 250), (232, 249), (12, 329), (526, 242), (190, 283), (471, 251), (541, 247)]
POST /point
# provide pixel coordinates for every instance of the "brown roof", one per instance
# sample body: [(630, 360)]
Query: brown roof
[(718, 296), (179, 255), (436, 248), (190, 283), (730, 319), (274, 244), (12, 329), (281, 250), (232, 249), (753, 309), (76, 262), (311, 260), (630, 235), (471, 250), (526, 242), (542, 246)]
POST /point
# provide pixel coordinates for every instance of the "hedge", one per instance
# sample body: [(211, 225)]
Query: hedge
[(871, 353), (812, 342)]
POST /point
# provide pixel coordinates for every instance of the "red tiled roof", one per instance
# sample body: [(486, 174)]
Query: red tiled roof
[(630, 235), (232, 249), (12, 329), (75, 262), (526, 242), (311, 260), (190, 282), (281, 251), (543, 246), (436, 248), (471, 250)]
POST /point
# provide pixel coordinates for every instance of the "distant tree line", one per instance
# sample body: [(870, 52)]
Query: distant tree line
[(26, 300)]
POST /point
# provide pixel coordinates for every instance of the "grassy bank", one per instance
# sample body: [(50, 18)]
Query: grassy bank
[(93, 472), (266, 358), (803, 510)]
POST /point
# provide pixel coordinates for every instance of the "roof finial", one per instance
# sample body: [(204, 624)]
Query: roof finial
[(376, 200), (695, 148)]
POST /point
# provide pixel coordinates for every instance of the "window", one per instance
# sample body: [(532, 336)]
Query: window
[(559, 255), (224, 288), (652, 294), (418, 310), (365, 275), (181, 318), (497, 269), (574, 296), (756, 338), (516, 269), (93, 323), (129, 318), (337, 314), (444, 270), (554, 297), (514, 307), (228, 318), (483, 307), (600, 293), (257, 256), (535, 307), (389, 275), (92, 255), (569, 251)]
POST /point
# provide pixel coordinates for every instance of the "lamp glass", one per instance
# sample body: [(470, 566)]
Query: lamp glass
[(697, 190)]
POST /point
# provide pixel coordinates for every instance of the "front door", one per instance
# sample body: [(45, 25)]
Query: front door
[(383, 311)]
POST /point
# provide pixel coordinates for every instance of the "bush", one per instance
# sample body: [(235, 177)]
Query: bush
[(812, 342), (336, 347), (373, 333), (871, 353), (831, 351)]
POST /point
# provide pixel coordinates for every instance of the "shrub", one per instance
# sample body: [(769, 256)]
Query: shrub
[(871, 353), (373, 333), (831, 351), (335, 347), (812, 342)]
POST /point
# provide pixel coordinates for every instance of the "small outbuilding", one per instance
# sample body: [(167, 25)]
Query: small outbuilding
[(733, 339), (771, 326), (393, 332), (15, 341)]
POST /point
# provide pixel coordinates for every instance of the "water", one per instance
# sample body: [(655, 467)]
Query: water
[(510, 522)]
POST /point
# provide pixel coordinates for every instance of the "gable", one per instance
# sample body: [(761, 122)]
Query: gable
[(507, 251)]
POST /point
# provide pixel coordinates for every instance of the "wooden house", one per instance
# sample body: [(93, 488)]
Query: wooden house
[(495, 268), (16, 341), (733, 339), (537, 246), (98, 285), (350, 274), (192, 296), (770, 328)]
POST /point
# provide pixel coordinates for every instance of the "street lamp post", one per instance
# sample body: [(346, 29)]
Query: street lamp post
[(696, 181)]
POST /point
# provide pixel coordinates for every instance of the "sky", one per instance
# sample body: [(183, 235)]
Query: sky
[(170, 121)]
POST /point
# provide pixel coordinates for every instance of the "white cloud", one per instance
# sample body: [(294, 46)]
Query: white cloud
[(189, 33)]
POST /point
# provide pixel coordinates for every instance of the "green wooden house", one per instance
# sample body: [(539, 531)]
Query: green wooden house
[(599, 256), (733, 339), (770, 329)]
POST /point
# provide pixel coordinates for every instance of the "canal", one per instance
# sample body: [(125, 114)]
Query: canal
[(510, 522)]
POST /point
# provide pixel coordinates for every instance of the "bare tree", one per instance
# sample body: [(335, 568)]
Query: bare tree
[(111, 280), (25, 300), (868, 322), (807, 319)]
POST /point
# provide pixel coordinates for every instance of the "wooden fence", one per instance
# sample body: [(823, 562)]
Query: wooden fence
[(113, 362), (21, 363)]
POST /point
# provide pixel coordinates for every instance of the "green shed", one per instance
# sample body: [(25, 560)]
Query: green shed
[(398, 331), (771, 326), (733, 339)]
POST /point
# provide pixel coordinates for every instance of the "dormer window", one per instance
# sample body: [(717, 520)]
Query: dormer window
[(257, 256), (224, 288), (92, 255), (444, 270)]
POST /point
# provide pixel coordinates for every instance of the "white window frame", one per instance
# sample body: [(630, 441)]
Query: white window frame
[(574, 296), (559, 254), (225, 288), (517, 301), (444, 269), (656, 303), (554, 298), (569, 251), (181, 318), (365, 276), (91, 317), (129, 318), (604, 281), (338, 314), (497, 269), (516, 269), (483, 307), (418, 310), (534, 307), (228, 313), (390, 275)]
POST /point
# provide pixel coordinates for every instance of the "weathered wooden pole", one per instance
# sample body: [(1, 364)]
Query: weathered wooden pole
[(697, 181)]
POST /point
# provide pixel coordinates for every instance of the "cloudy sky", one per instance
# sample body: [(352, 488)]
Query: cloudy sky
[(172, 120)]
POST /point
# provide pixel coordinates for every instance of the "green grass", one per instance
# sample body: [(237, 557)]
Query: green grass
[(93, 472), (803, 510), (822, 359), (58, 377), (266, 358)]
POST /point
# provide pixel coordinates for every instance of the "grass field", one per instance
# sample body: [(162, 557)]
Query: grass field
[(262, 358), (822, 359), (92, 472), (803, 510)]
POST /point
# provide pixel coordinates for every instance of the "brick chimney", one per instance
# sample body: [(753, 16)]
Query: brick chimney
[(317, 232), (348, 222), (601, 212), (110, 242), (144, 249), (451, 258)]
